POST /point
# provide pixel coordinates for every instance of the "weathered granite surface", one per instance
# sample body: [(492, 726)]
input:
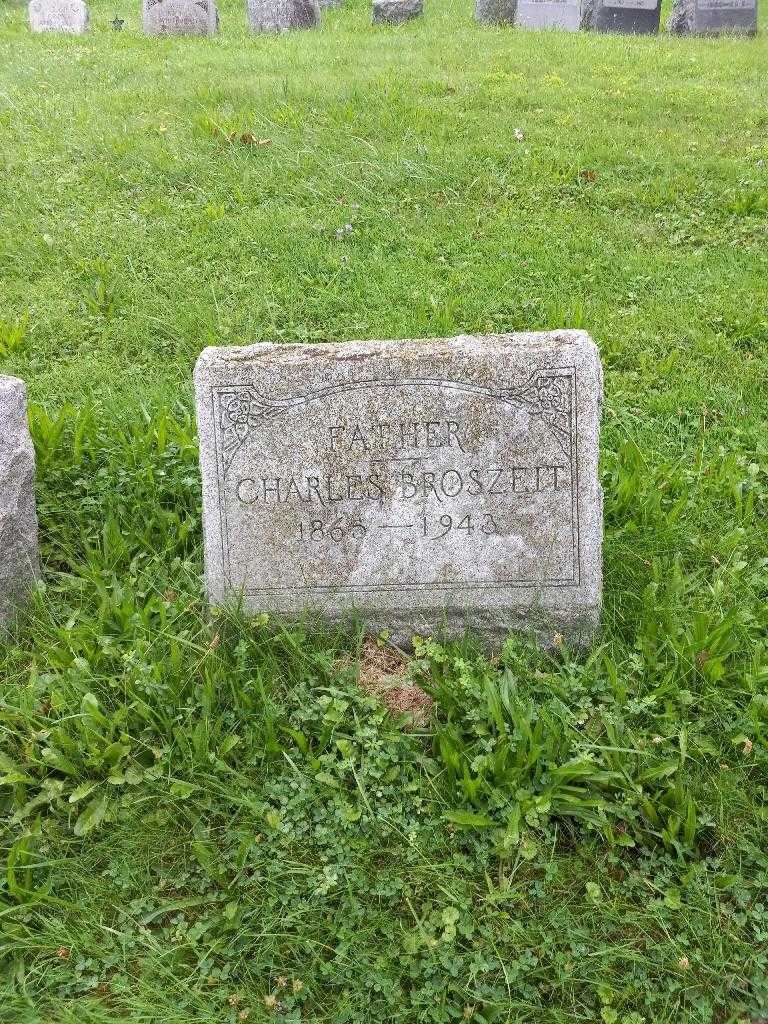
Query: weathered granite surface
[(713, 17), (180, 17), (587, 13), (58, 16), (629, 17), (680, 21), (394, 12), (559, 14), (282, 15), (19, 562), (495, 12), (421, 484)]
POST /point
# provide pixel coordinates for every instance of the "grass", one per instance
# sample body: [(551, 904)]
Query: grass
[(207, 820)]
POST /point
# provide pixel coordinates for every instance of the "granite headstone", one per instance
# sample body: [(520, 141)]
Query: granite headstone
[(630, 17), (58, 16), (420, 484), (559, 14), (713, 17), (19, 562), (180, 17), (395, 12), (282, 15), (495, 12)]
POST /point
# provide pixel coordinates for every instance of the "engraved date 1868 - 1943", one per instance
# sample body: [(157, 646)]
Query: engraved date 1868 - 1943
[(433, 527)]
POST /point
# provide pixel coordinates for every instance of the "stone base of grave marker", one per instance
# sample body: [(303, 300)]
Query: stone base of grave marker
[(419, 485), (180, 17), (19, 563), (713, 17), (495, 12), (629, 17), (282, 15), (394, 12), (559, 14), (58, 16)]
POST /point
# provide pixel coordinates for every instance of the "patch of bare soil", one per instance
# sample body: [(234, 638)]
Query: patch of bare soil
[(383, 674)]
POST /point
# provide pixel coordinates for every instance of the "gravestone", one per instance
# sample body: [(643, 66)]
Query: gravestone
[(419, 484), (630, 17), (19, 564), (395, 12), (180, 17), (713, 17), (58, 16), (495, 12), (562, 14), (282, 15)]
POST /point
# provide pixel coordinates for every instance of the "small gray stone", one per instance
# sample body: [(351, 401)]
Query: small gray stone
[(495, 12), (713, 17), (282, 15), (180, 17), (421, 484), (559, 14), (19, 561), (395, 12), (58, 16)]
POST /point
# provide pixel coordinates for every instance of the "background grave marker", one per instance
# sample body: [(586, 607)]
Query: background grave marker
[(19, 564), (282, 15), (180, 17), (561, 14), (713, 17), (631, 17), (394, 12), (58, 16)]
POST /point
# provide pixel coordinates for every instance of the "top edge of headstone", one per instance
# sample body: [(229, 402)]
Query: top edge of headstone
[(466, 344)]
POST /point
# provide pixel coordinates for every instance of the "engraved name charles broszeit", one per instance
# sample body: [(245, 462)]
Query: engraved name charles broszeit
[(548, 394)]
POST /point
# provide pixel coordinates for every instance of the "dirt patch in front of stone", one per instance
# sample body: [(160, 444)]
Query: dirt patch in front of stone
[(383, 673)]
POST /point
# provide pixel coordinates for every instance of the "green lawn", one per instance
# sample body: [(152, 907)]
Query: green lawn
[(207, 821)]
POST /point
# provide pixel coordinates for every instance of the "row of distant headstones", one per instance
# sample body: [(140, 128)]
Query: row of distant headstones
[(201, 17)]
